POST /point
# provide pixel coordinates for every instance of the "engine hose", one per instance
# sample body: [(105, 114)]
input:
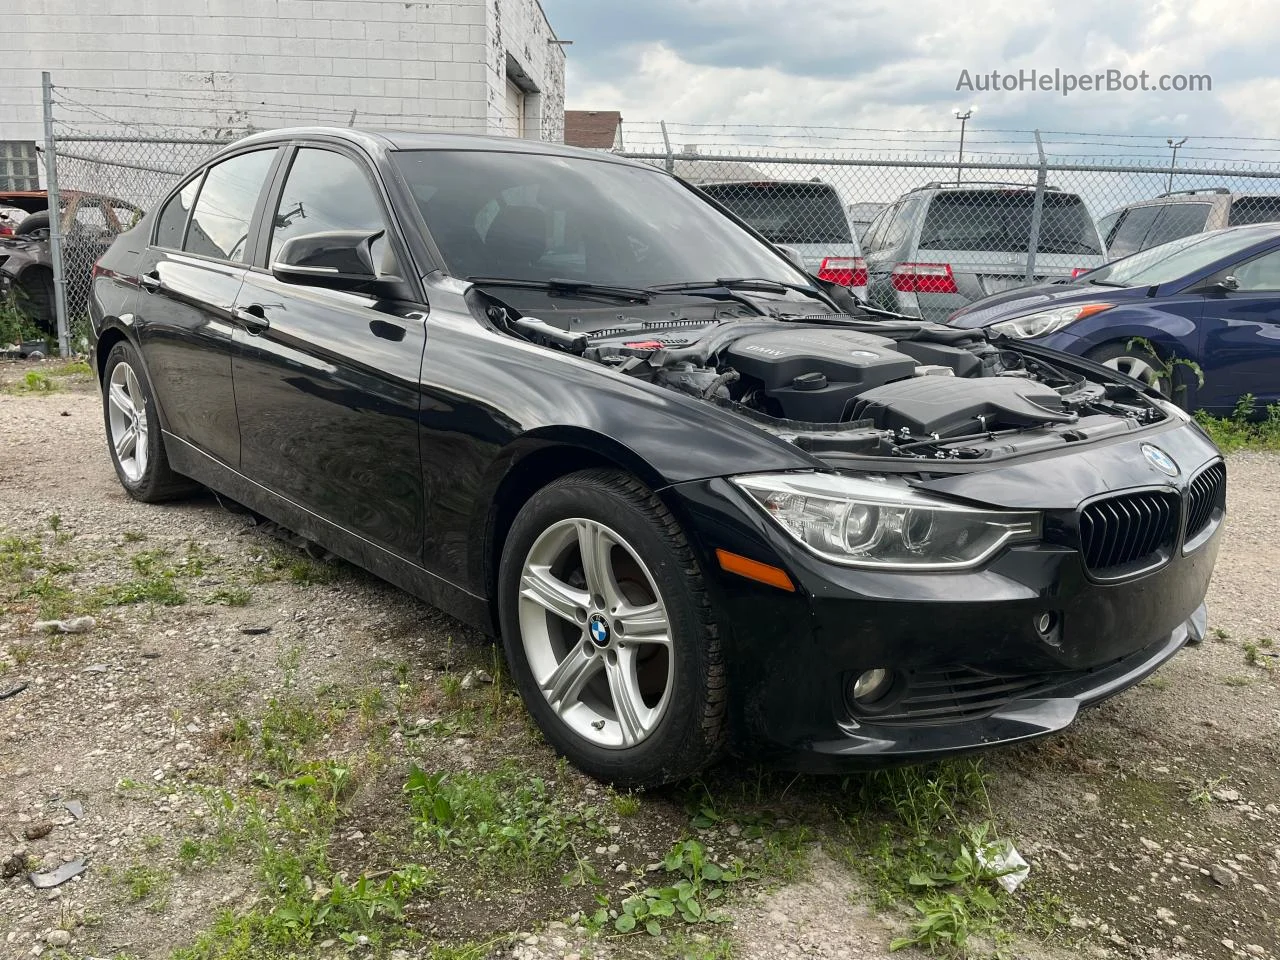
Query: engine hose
[(726, 378)]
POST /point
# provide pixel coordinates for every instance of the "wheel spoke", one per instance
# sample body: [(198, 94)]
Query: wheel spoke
[(647, 624), (117, 397), (553, 594), (126, 443), (634, 717), (131, 381), (596, 547), (568, 678)]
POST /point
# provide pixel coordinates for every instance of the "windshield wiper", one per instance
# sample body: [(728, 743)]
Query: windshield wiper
[(1106, 283), (763, 284), (569, 286)]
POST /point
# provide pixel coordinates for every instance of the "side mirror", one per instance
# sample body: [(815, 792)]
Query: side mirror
[(1228, 283), (335, 260), (792, 254)]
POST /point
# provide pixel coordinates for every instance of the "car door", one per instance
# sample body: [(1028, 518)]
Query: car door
[(889, 242), (190, 274), (327, 382), (1240, 336)]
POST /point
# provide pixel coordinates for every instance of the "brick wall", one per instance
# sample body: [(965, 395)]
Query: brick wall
[(207, 66)]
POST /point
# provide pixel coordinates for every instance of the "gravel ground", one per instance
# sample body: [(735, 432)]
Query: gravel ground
[(1153, 824)]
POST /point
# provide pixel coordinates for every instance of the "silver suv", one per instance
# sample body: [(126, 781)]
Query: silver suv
[(1171, 216), (939, 248)]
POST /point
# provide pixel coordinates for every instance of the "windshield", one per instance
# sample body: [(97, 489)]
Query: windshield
[(535, 217), (1000, 220), (1174, 260), (786, 212)]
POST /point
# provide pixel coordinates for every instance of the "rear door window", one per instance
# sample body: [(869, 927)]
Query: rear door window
[(1000, 220), (1177, 220), (787, 212), (224, 210), (1133, 230), (1259, 209)]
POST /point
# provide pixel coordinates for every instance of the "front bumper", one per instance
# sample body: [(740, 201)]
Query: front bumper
[(974, 667)]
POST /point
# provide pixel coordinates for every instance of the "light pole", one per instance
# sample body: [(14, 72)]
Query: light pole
[(1174, 161), (963, 118)]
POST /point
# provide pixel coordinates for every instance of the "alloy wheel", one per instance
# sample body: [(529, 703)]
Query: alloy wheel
[(1137, 368), (127, 416), (596, 633)]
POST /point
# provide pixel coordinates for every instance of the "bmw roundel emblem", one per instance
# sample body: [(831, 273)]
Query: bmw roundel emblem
[(599, 630), (1160, 460)]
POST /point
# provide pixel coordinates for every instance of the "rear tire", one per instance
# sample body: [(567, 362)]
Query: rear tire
[(29, 225), (1135, 361), (133, 430), (609, 632)]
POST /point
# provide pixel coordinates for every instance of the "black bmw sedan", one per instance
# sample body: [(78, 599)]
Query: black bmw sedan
[(709, 503)]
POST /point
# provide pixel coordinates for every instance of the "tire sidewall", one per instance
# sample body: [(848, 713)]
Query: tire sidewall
[(1115, 351), (144, 487), (666, 751)]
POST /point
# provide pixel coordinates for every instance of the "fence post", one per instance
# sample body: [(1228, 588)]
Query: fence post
[(55, 218), (1037, 209), (666, 143)]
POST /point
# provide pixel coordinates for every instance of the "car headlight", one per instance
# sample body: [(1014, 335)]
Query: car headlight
[(1048, 321), (881, 523)]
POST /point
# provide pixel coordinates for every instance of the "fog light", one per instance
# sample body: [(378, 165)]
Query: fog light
[(871, 685)]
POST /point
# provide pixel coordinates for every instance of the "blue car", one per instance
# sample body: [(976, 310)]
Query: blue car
[(1211, 298)]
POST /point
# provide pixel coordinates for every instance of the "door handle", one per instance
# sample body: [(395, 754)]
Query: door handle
[(150, 282), (252, 319)]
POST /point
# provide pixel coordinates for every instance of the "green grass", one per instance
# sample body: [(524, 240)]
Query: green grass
[(74, 368), (35, 382), (1244, 430), (503, 818), (141, 881), (230, 597), (918, 835)]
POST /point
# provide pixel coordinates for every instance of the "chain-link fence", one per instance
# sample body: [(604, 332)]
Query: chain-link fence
[(901, 212)]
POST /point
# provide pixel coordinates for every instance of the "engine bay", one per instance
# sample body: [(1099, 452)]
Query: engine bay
[(842, 385)]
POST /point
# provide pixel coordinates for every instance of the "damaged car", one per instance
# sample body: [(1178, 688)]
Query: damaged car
[(710, 504)]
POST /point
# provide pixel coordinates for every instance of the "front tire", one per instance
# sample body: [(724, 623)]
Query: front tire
[(608, 630), (133, 430)]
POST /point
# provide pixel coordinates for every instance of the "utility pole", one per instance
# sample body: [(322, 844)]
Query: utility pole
[(963, 118), (1174, 161)]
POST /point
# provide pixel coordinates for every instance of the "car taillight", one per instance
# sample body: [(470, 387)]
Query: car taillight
[(924, 278), (1079, 270), (846, 271), (6, 231)]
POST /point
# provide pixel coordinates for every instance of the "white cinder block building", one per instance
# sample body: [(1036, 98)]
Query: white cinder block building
[(223, 66)]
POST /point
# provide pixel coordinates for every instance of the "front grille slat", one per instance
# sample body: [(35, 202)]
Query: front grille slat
[(1126, 533), (956, 695), (1207, 492)]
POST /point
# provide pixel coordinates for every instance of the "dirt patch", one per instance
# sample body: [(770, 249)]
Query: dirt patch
[(222, 663)]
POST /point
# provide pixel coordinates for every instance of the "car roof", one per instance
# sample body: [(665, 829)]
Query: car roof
[(1198, 196), (384, 141), (765, 183), (978, 186)]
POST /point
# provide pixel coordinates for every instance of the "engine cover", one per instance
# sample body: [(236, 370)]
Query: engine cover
[(952, 406), (814, 375)]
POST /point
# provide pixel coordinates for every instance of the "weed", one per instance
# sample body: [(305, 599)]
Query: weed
[(133, 536), (501, 817), (230, 597), (19, 554), (55, 521), (1217, 633), (158, 589), (1202, 795), (36, 382), (1234, 680), (1243, 429), (700, 882), (73, 368), (21, 653), (624, 804), (141, 881), (1256, 654), (1157, 683), (930, 854)]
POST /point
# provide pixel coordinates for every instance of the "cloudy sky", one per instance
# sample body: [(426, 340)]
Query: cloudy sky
[(894, 64)]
